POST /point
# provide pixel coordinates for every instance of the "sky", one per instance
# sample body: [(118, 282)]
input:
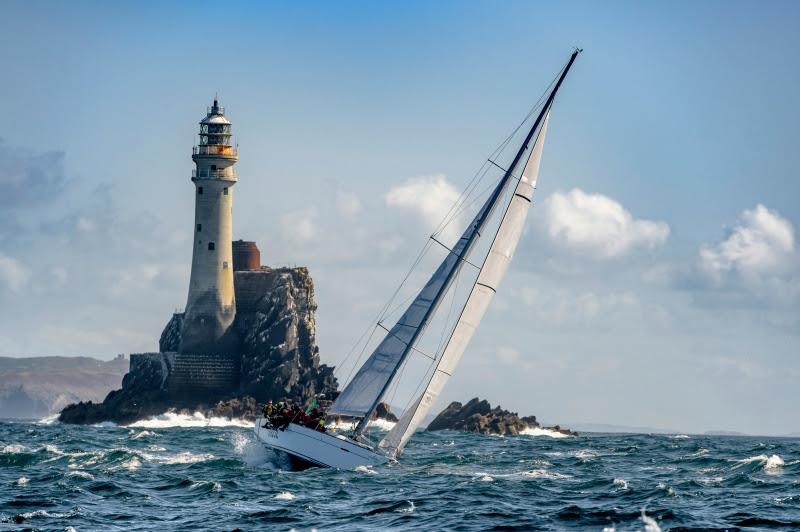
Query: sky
[(658, 280)]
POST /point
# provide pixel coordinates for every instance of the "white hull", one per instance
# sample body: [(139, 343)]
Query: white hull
[(318, 448)]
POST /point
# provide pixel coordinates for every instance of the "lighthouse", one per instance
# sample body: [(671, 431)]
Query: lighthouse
[(211, 305)]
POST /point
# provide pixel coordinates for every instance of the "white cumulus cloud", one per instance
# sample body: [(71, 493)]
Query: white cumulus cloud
[(760, 244), (430, 197), (13, 273), (598, 225)]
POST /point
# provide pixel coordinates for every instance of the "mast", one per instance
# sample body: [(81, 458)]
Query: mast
[(471, 235)]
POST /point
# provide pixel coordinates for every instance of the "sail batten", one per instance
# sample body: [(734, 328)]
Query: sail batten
[(483, 290)]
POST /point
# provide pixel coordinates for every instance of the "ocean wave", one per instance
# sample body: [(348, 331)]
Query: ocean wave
[(365, 469), (48, 420), (14, 448), (680, 437), (22, 481), (538, 431), (144, 434), (81, 474), (198, 419), (771, 463), (544, 473), (285, 496), (382, 424), (621, 483)]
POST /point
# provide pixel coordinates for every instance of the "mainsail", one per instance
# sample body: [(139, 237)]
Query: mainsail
[(484, 288)]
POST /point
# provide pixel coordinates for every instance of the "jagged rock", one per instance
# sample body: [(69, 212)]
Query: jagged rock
[(280, 358), (171, 335), (479, 416), (383, 412), (240, 408)]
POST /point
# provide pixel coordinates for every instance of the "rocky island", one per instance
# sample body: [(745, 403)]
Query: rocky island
[(479, 416), (277, 359)]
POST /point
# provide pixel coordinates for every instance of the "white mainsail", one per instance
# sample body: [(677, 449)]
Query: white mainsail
[(491, 273)]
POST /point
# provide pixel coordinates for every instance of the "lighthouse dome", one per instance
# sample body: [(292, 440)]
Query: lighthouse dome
[(216, 119)]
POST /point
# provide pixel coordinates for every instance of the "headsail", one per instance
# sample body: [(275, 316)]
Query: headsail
[(364, 390), (492, 272)]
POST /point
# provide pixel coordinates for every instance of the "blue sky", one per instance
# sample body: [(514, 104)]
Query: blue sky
[(658, 282)]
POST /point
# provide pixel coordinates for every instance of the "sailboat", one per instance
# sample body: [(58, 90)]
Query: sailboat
[(368, 388)]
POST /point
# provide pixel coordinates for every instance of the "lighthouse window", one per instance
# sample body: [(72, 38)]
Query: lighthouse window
[(225, 265), (211, 246), (199, 190), (225, 191), (199, 227)]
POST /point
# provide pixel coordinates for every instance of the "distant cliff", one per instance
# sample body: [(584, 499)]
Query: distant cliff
[(35, 387), (278, 357)]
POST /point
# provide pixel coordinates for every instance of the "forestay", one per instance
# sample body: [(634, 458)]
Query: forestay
[(491, 273)]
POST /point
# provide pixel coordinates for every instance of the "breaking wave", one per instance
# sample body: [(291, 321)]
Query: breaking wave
[(198, 419), (538, 431)]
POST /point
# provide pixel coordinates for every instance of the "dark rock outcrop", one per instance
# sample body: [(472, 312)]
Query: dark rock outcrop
[(383, 412), (278, 357), (479, 416)]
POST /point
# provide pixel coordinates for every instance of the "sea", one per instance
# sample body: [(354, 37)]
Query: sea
[(183, 472)]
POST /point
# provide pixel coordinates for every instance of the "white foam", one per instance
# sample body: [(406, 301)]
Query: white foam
[(544, 473), (650, 524), (382, 424), (173, 419), (285, 496), (144, 434), (215, 486), (539, 431), (131, 465), (774, 462), (680, 437), (22, 481), (80, 474), (483, 477), (14, 448), (252, 451), (48, 420), (180, 458), (45, 513), (409, 509), (771, 463), (621, 483), (365, 469)]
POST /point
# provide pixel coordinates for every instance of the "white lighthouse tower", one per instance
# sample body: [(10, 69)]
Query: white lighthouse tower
[(211, 306)]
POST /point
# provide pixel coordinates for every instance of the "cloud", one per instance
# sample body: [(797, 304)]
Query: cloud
[(28, 177), (598, 226), (760, 245), (429, 197), (348, 204), (300, 226), (13, 273)]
